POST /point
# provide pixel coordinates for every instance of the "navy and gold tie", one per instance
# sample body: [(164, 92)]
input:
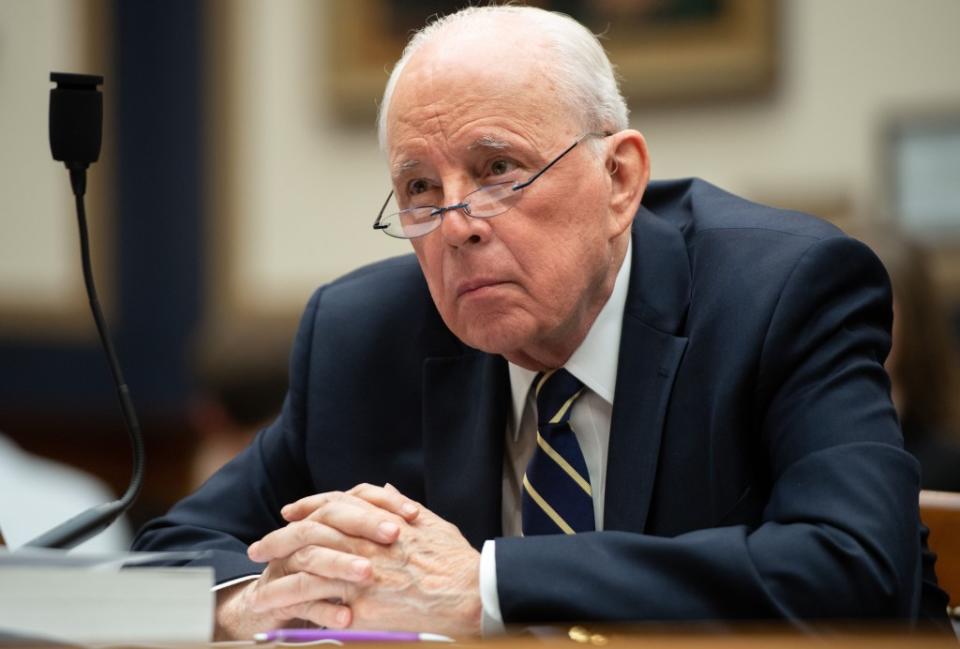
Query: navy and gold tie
[(556, 494)]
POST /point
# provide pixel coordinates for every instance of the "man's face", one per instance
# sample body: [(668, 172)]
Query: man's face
[(527, 283)]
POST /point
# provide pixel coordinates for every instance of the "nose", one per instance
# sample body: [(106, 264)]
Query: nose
[(460, 229)]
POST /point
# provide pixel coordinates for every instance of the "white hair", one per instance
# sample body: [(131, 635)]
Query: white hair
[(579, 67)]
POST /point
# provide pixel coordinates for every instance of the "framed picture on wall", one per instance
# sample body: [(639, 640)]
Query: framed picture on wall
[(921, 186), (922, 159), (666, 51)]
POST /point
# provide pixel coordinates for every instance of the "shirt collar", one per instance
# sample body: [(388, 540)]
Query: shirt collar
[(594, 362)]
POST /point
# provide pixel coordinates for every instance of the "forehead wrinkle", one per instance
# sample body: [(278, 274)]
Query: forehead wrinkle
[(433, 107)]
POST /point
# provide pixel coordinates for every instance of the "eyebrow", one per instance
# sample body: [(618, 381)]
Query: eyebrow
[(404, 166), (482, 142), (488, 142)]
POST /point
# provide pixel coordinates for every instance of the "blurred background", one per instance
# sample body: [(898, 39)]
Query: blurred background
[(240, 170)]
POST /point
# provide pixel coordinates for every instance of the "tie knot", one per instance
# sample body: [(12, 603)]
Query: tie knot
[(556, 391)]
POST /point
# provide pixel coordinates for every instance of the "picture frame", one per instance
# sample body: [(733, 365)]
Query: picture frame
[(920, 186), (921, 172), (665, 51)]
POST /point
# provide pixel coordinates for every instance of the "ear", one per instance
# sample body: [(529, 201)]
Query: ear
[(628, 164)]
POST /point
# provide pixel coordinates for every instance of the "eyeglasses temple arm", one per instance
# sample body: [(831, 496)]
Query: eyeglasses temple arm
[(559, 157), (542, 171), (376, 224)]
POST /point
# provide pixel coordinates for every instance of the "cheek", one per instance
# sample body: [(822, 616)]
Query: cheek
[(429, 265), (564, 251)]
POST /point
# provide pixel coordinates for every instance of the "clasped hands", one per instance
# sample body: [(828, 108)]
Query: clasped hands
[(367, 558)]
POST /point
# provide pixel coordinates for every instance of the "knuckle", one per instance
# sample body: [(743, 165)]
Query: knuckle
[(336, 538), (316, 561), (361, 488), (304, 504), (302, 558), (343, 564), (345, 591), (336, 561), (301, 531), (324, 503), (317, 503), (301, 586), (292, 612)]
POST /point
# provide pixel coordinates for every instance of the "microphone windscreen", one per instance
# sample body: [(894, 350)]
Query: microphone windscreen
[(76, 118)]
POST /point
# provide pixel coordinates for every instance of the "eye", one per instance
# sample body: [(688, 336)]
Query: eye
[(502, 166), (417, 186)]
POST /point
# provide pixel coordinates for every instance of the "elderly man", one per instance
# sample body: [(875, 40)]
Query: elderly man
[(587, 397)]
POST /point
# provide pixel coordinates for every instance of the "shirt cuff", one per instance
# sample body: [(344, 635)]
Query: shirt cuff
[(239, 580), (491, 621)]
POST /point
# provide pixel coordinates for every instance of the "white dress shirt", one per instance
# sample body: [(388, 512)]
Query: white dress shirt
[(595, 363)]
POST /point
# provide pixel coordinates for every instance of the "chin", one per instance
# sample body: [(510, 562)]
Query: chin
[(495, 334)]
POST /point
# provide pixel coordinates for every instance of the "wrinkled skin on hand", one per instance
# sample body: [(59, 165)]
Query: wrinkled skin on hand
[(369, 559)]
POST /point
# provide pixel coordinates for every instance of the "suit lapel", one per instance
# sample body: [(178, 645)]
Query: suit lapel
[(466, 400), (650, 353)]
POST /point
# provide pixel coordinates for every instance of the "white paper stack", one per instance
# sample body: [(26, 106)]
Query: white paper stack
[(89, 600)]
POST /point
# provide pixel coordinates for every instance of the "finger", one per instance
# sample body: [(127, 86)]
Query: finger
[(294, 590), (332, 564), (328, 527), (302, 508), (356, 517), (288, 539), (322, 613), (307, 505), (389, 498)]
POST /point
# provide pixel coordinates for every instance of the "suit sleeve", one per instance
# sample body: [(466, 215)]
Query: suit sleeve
[(838, 536), (242, 501)]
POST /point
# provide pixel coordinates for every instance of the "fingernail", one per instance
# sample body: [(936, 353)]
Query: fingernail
[(388, 530), (409, 509), (360, 566), (285, 511), (253, 550), (343, 617)]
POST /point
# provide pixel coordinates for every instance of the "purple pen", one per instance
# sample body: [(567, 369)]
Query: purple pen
[(307, 636)]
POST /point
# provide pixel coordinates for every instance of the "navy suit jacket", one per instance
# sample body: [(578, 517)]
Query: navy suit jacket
[(755, 469)]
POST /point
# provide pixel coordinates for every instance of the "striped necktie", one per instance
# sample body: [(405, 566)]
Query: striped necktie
[(556, 494)]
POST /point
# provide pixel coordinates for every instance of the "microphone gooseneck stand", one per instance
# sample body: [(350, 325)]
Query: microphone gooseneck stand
[(76, 117)]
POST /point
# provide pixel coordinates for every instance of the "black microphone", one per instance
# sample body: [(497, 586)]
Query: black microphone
[(76, 123), (76, 118)]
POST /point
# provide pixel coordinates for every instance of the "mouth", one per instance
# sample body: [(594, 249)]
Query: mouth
[(474, 285)]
